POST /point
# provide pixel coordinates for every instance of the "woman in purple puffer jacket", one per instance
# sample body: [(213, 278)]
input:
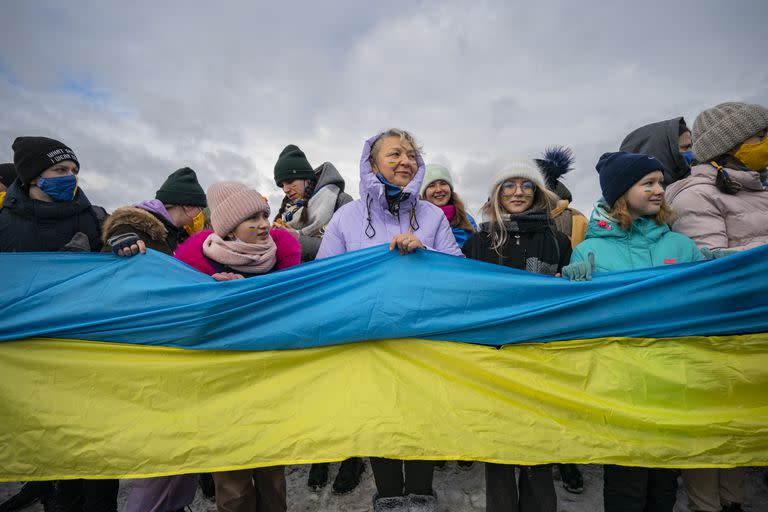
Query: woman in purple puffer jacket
[(389, 211)]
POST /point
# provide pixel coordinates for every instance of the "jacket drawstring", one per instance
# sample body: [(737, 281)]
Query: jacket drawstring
[(370, 222), (413, 221)]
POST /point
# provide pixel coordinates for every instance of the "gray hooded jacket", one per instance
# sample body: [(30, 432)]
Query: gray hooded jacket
[(659, 140), (329, 196)]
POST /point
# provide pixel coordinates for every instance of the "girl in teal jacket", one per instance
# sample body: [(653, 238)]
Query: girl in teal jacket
[(645, 244), (629, 227), (628, 230)]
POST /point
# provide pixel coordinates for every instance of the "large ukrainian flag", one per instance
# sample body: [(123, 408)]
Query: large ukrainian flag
[(139, 367)]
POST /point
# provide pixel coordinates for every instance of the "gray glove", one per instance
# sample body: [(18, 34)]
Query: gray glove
[(581, 270), (709, 254)]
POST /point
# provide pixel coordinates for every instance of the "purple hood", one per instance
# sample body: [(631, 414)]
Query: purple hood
[(370, 186), (155, 206)]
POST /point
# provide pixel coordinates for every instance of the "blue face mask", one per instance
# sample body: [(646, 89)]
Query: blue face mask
[(60, 189), (688, 156), (391, 189)]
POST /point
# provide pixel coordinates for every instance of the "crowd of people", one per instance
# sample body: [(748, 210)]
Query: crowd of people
[(669, 195)]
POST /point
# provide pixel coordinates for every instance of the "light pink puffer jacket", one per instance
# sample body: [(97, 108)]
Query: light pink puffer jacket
[(718, 220)]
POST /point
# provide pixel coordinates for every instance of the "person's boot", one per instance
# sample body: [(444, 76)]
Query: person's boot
[(207, 486), (63, 497), (464, 465), (392, 504), (571, 476), (29, 493), (422, 502), (349, 475), (318, 476)]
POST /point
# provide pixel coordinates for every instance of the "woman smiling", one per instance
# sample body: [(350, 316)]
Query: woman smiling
[(437, 188)]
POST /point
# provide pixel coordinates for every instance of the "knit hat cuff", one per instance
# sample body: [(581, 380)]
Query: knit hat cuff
[(180, 197)]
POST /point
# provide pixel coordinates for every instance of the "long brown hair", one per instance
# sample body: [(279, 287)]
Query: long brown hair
[(620, 213), (461, 220), (723, 181)]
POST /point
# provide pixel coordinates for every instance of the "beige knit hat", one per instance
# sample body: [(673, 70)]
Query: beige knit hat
[(721, 128), (231, 203)]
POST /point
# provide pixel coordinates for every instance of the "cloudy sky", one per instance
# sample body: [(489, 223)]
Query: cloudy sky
[(139, 89)]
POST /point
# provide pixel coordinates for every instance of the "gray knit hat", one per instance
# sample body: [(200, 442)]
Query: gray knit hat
[(719, 129), (231, 203)]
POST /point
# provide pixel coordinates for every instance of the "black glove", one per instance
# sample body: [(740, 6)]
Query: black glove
[(122, 241), (78, 243)]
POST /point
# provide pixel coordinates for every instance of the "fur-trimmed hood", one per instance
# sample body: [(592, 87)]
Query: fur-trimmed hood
[(137, 219)]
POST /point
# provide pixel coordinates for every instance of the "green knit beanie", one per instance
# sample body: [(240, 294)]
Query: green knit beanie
[(292, 165), (182, 188)]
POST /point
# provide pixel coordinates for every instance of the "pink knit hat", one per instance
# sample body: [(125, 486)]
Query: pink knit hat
[(231, 203)]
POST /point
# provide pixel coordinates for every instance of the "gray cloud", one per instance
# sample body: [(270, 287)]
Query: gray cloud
[(141, 89)]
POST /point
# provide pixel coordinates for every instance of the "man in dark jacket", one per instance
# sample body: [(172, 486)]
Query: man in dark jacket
[(669, 142), (44, 209), (161, 223)]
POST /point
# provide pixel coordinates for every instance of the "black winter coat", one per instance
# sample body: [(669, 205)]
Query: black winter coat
[(542, 250), (28, 225)]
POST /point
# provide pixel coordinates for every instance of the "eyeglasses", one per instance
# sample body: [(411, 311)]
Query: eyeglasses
[(527, 187)]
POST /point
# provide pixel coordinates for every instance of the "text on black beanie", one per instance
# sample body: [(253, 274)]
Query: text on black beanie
[(33, 155)]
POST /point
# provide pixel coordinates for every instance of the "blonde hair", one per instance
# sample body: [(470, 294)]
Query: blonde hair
[(620, 213), (395, 132), (494, 213)]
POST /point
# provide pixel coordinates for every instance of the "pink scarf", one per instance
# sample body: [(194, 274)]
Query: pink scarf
[(450, 212), (249, 258)]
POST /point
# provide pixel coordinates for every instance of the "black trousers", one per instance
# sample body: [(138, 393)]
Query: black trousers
[(84, 496), (536, 489), (395, 477), (630, 489)]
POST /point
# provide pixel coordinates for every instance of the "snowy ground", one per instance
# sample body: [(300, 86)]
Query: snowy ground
[(458, 491)]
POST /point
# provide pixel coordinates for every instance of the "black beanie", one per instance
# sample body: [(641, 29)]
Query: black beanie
[(33, 155), (292, 165), (619, 171), (7, 174), (182, 188)]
